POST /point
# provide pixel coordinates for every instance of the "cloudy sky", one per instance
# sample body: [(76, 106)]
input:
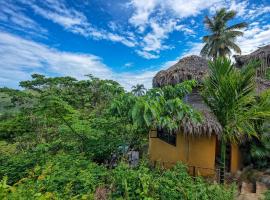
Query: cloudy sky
[(124, 40)]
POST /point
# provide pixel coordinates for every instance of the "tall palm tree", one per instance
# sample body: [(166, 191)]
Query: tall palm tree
[(138, 90), (222, 37), (230, 94)]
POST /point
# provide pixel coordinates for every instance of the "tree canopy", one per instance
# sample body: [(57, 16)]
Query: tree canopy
[(222, 37)]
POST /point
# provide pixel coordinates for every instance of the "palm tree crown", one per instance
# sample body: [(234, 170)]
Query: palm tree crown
[(222, 38), (138, 90)]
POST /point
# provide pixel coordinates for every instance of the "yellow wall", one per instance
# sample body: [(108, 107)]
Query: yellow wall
[(235, 158), (202, 152), (193, 151)]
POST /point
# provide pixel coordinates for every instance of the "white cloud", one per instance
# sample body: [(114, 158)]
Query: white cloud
[(162, 18), (253, 38), (240, 7), (20, 58), (183, 8), (129, 64), (24, 57), (146, 54), (179, 8), (142, 11), (256, 11), (153, 40), (13, 17), (74, 21), (194, 49), (185, 29)]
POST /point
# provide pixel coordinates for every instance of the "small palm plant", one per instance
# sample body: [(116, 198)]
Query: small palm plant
[(222, 37), (230, 94), (138, 90)]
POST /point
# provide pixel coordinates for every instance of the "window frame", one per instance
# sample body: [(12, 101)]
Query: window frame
[(166, 136)]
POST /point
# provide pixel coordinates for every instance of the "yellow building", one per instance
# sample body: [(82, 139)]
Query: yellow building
[(196, 145), (200, 153)]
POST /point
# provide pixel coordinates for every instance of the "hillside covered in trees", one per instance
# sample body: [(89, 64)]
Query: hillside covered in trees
[(62, 138)]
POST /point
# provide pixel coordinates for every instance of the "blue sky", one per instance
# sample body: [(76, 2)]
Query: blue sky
[(125, 40)]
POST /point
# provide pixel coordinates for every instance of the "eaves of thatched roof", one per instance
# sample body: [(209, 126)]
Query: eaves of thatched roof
[(209, 124), (191, 67)]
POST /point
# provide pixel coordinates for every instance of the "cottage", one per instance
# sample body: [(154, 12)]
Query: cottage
[(196, 145)]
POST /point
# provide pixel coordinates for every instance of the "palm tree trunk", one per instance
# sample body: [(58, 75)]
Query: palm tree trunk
[(223, 161)]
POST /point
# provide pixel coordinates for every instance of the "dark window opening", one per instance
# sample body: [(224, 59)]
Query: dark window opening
[(166, 136)]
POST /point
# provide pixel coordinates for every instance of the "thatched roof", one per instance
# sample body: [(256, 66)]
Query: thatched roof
[(260, 53), (191, 67), (263, 55), (208, 126)]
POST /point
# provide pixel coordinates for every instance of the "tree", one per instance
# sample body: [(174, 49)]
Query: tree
[(230, 94), (222, 37), (159, 107), (138, 89)]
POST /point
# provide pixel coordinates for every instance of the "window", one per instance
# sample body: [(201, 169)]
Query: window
[(166, 136)]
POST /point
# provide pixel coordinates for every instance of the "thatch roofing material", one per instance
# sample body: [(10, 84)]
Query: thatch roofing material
[(262, 85), (262, 54), (191, 67), (208, 126)]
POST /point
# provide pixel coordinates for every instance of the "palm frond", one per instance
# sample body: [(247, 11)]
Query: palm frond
[(241, 25), (221, 39), (229, 15), (230, 93)]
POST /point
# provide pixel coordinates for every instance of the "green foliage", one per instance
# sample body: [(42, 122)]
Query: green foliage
[(159, 107), (64, 177), (268, 73), (222, 38), (267, 195), (230, 93), (61, 177), (16, 166), (257, 150), (61, 138)]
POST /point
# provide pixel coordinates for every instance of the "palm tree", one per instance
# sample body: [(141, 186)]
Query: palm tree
[(138, 90), (230, 94), (222, 37)]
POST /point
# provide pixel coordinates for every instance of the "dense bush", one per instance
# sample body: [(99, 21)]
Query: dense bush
[(66, 177)]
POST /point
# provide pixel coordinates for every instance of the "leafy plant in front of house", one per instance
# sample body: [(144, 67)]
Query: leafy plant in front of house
[(230, 94)]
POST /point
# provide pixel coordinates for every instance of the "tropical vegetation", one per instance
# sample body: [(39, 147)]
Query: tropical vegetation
[(230, 94), (61, 138), (138, 89), (221, 40)]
